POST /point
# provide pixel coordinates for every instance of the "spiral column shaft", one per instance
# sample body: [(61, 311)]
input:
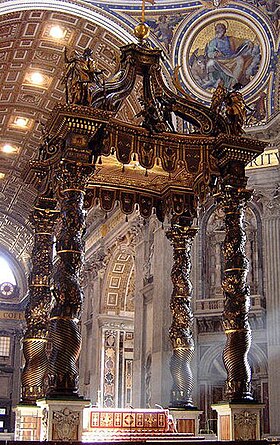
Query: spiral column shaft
[(38, 308), (65, 335), (180, 333), (237, 296)]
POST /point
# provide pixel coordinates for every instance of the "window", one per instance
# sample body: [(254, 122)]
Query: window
[(6, 273), (5, 346)]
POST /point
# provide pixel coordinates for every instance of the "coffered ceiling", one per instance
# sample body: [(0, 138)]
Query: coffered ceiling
[(32, 64)]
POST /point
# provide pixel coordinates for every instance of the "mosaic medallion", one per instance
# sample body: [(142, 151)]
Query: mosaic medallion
[(223, 46)]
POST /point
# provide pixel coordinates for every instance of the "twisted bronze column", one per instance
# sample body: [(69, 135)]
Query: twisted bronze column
[(181, 236), (237, 296), (65, 335), (38, 308)]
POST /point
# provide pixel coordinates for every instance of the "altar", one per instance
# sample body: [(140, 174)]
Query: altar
[(128, 419), (117, 424), (100, 424)]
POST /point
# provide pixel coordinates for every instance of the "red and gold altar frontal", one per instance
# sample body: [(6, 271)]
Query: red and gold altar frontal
[(127, 419), (127, 424)]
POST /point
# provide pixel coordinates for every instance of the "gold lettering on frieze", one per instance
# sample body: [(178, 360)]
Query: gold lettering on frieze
[(9, 315), (115, 221), (269, 158), (103, 230)]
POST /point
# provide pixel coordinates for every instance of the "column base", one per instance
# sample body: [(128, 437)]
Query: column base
[(238, 421), (62, 420), (186, 420)]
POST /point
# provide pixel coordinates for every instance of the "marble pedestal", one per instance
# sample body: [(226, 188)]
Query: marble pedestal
[(62, 419), (28, 422), (238, 421), (186, 421)]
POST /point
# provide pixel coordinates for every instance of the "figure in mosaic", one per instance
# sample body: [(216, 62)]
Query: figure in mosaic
[(273, 10), (257, 109), (163, 27), (227, 58)]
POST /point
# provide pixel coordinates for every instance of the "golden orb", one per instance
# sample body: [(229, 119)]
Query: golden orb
[(142, 31)]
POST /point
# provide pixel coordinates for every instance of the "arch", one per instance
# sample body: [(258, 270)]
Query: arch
[(16, 267), (258, 360), (208, 360), (118, 288), (212, 358), (6, 271)]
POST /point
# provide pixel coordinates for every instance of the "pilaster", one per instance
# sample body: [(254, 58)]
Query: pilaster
[(271, 236)]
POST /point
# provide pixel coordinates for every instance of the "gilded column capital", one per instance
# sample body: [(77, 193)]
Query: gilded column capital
[(72, 176), (271, 203), (96, 263)]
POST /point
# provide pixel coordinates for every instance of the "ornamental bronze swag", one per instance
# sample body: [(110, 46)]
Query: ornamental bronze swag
[(88, 157)]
